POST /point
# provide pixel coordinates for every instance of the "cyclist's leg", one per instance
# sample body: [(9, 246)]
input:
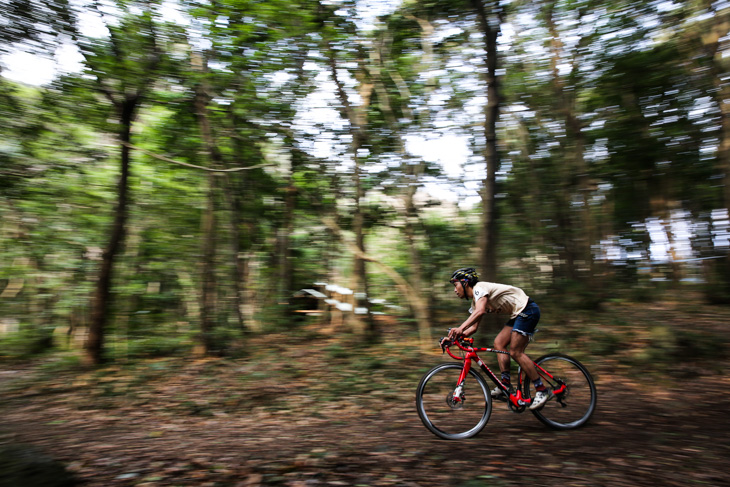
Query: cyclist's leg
[(502, 342), (517, 347), (522, 330)]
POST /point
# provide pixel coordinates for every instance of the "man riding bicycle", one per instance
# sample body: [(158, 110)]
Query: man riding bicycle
[(489, 297)]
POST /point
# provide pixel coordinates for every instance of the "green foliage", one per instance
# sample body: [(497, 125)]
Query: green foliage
[(61, 363), (153, 347), (624, 129), (36, 23), (703, 345), (604, 343), (717, 287), (26, 343), (576, 295), (672, 346), (336, 351)]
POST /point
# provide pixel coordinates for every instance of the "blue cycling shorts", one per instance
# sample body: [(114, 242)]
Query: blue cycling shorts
[(527, 320)]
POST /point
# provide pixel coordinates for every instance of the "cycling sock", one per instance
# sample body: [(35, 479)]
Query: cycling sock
[(506, 378), (539, 386)]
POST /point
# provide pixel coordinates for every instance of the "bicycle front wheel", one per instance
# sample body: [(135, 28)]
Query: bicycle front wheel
[(446, 418), (575, 405)]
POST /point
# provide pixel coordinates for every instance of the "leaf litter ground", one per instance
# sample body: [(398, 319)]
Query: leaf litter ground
[(313, 412)]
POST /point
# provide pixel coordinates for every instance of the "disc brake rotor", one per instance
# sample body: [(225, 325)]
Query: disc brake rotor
[(455, 401)]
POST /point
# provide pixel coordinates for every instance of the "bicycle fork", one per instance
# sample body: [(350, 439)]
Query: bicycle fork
[(457, 397)]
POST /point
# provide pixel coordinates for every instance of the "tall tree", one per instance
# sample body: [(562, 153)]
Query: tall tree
[(577, 231), (704, 41), (394, 100), (124, 67), (254, 80), (357, 119), (490, 16), (208, 275)]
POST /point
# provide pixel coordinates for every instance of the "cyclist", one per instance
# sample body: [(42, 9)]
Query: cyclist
[(489, 297)]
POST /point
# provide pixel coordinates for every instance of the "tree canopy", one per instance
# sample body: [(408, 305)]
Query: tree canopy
[(199, 172)]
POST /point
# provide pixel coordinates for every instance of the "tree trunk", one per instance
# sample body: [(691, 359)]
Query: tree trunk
[(234, 204), (209, 285), (243, 233), (720, 30), (491, 152), (286, 281), (422, 313), (333, 251), (250, 278), (208, 279), (411, 295), (722, 94), (579, 232), (360, 278), (357, 116), (94, 345), (411, 172), (366, 91)]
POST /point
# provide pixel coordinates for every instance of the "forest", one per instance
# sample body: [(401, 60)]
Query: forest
[(212, 203)]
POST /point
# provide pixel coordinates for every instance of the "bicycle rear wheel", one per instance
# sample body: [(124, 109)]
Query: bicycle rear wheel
[(446, 418), (573, 407)]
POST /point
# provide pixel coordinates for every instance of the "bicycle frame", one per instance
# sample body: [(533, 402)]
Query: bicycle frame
[(516, 400)]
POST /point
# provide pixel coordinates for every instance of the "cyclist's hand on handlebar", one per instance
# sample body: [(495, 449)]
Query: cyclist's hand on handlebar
[(447, 341), (454, 334)]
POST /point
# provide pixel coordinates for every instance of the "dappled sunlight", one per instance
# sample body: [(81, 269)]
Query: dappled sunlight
[(678, 240)]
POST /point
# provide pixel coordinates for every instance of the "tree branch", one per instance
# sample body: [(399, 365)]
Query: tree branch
[(179, 163), (415, 302)]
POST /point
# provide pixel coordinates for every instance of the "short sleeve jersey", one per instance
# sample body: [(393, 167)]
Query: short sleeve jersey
[(502, 298)]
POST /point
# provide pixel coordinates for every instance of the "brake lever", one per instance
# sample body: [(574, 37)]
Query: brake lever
[(445, 342)]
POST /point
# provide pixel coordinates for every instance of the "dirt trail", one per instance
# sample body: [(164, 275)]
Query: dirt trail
[(307, 411), (635, 438)]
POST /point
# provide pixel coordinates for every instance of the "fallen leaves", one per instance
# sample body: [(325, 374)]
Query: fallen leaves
[(345, 419)]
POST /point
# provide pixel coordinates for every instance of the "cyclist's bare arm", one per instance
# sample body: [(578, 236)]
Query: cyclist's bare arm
[(470, 326)]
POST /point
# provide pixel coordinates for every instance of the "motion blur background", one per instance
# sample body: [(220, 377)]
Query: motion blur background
[(227, 229), (174, 174)]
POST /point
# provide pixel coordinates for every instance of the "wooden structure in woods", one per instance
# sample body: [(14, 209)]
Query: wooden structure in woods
[(333, 302)]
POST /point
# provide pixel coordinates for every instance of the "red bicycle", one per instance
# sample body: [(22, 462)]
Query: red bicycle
[(454, 401)]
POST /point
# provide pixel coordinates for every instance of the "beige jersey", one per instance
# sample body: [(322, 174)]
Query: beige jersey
[(501, 298)]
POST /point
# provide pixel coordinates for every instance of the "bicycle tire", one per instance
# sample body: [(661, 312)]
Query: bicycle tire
[(441, 418), (573, 408)]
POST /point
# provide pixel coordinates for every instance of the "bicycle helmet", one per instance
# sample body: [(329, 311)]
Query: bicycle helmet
[(465, 275)]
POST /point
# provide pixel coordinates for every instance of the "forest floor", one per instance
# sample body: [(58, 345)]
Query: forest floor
[(304, 410)]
